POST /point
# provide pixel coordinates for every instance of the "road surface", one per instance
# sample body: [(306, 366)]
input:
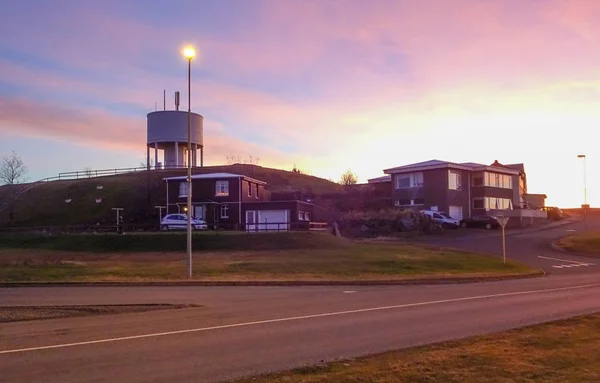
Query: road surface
[(249, 330)]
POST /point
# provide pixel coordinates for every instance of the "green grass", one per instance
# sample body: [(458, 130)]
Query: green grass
[(309, 257), (587, 243), (169, 242), (565, 351)]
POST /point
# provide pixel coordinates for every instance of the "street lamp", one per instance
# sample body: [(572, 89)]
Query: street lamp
[(189, 53), (585, 205)]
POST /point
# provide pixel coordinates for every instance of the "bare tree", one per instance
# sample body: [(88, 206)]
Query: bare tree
[(237, 159), (88, 171), (348, 178), (12, 172), (232, 159), (12, 169)]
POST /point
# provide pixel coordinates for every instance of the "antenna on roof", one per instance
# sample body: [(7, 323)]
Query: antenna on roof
[(165, 99), (177, 100), (155, 107)]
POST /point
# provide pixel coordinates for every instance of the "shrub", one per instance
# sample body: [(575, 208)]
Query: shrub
[(383, 222)]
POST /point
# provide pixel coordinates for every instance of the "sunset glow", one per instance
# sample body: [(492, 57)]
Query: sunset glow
[(323, 85)]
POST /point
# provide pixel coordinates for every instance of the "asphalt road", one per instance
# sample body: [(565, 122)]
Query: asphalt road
[(249, 330)]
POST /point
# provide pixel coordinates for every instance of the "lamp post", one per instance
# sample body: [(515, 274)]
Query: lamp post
[(585, 205), (189, 54)]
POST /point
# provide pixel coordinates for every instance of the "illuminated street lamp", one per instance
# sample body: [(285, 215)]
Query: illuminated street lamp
[(189, 53), (585, 205)]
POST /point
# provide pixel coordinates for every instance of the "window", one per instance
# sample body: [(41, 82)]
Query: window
[(498, 180), (249, 189), (478, 203), (478, 180), (494, 203), (454, 180), (256, 194), (222, 188), (183, 189), (409, 180), (410, 202), (224, 211), (300, 216), (307, 216)]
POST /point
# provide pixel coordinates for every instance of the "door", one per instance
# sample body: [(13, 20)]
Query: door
[(200, 212), (273, 220), (251, 220), (456, 212)]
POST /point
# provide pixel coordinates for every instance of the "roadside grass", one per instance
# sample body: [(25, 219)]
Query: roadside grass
[(172, 242), (343, 260), (586, 243), (28, 313), (562, 352)]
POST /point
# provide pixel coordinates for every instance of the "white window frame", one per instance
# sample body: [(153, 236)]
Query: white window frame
[(454, 180), (300, 216), (412, 202), (224, 211), (249, 188), (256, 196), (183, 189), (306, 216), (498, 180), (222, 188), (415, 180)]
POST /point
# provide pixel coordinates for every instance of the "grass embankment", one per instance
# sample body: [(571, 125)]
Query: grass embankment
[(237, 257), (587, 243), (27, 313), (561, 352)]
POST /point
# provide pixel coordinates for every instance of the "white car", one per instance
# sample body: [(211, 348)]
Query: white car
[(442, 219), (179, 221)]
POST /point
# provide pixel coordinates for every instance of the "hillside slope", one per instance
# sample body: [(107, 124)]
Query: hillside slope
[(137, 193)]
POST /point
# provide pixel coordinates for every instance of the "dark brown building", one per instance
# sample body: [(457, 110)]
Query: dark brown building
[(460, 189), (235, 201)]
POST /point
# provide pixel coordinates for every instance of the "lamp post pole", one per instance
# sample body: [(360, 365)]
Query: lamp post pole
[(585, 206), (189, 53)]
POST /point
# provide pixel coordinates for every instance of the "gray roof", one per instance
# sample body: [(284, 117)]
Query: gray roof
[(437, 164), (209, 176), (385, 178)]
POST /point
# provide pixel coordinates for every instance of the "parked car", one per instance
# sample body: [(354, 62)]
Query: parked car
[(442, 219), (179, 221), (481, 221)]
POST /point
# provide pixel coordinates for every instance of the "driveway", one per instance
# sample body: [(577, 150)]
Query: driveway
[(532, 247)]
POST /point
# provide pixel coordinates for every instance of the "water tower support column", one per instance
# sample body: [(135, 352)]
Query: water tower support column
[(155, 156), (147, 157)]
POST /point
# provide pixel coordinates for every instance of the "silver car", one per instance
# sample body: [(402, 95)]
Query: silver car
[(179, 222)]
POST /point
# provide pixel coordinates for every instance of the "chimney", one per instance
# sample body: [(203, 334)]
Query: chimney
[(177, 100)]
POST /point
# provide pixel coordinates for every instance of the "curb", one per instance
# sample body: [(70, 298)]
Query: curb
[(423, 281)]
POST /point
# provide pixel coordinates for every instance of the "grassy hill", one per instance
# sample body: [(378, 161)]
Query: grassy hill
[(137, 193)]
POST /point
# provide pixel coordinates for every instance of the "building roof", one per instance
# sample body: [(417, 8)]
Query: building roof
[(386, 178), (437, 164), (519, 167), (210, 176)]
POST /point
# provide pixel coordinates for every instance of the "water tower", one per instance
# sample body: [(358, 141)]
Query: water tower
[(167, 133)]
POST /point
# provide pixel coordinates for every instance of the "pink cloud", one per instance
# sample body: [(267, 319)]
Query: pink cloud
[(94, 127)]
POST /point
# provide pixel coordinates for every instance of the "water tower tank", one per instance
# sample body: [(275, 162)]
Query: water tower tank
[(167, 133)]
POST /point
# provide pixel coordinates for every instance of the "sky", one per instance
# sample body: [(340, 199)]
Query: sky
[(323, 85)]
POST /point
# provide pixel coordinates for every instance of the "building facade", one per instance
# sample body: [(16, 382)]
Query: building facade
[(460, 189), (234, 201)]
